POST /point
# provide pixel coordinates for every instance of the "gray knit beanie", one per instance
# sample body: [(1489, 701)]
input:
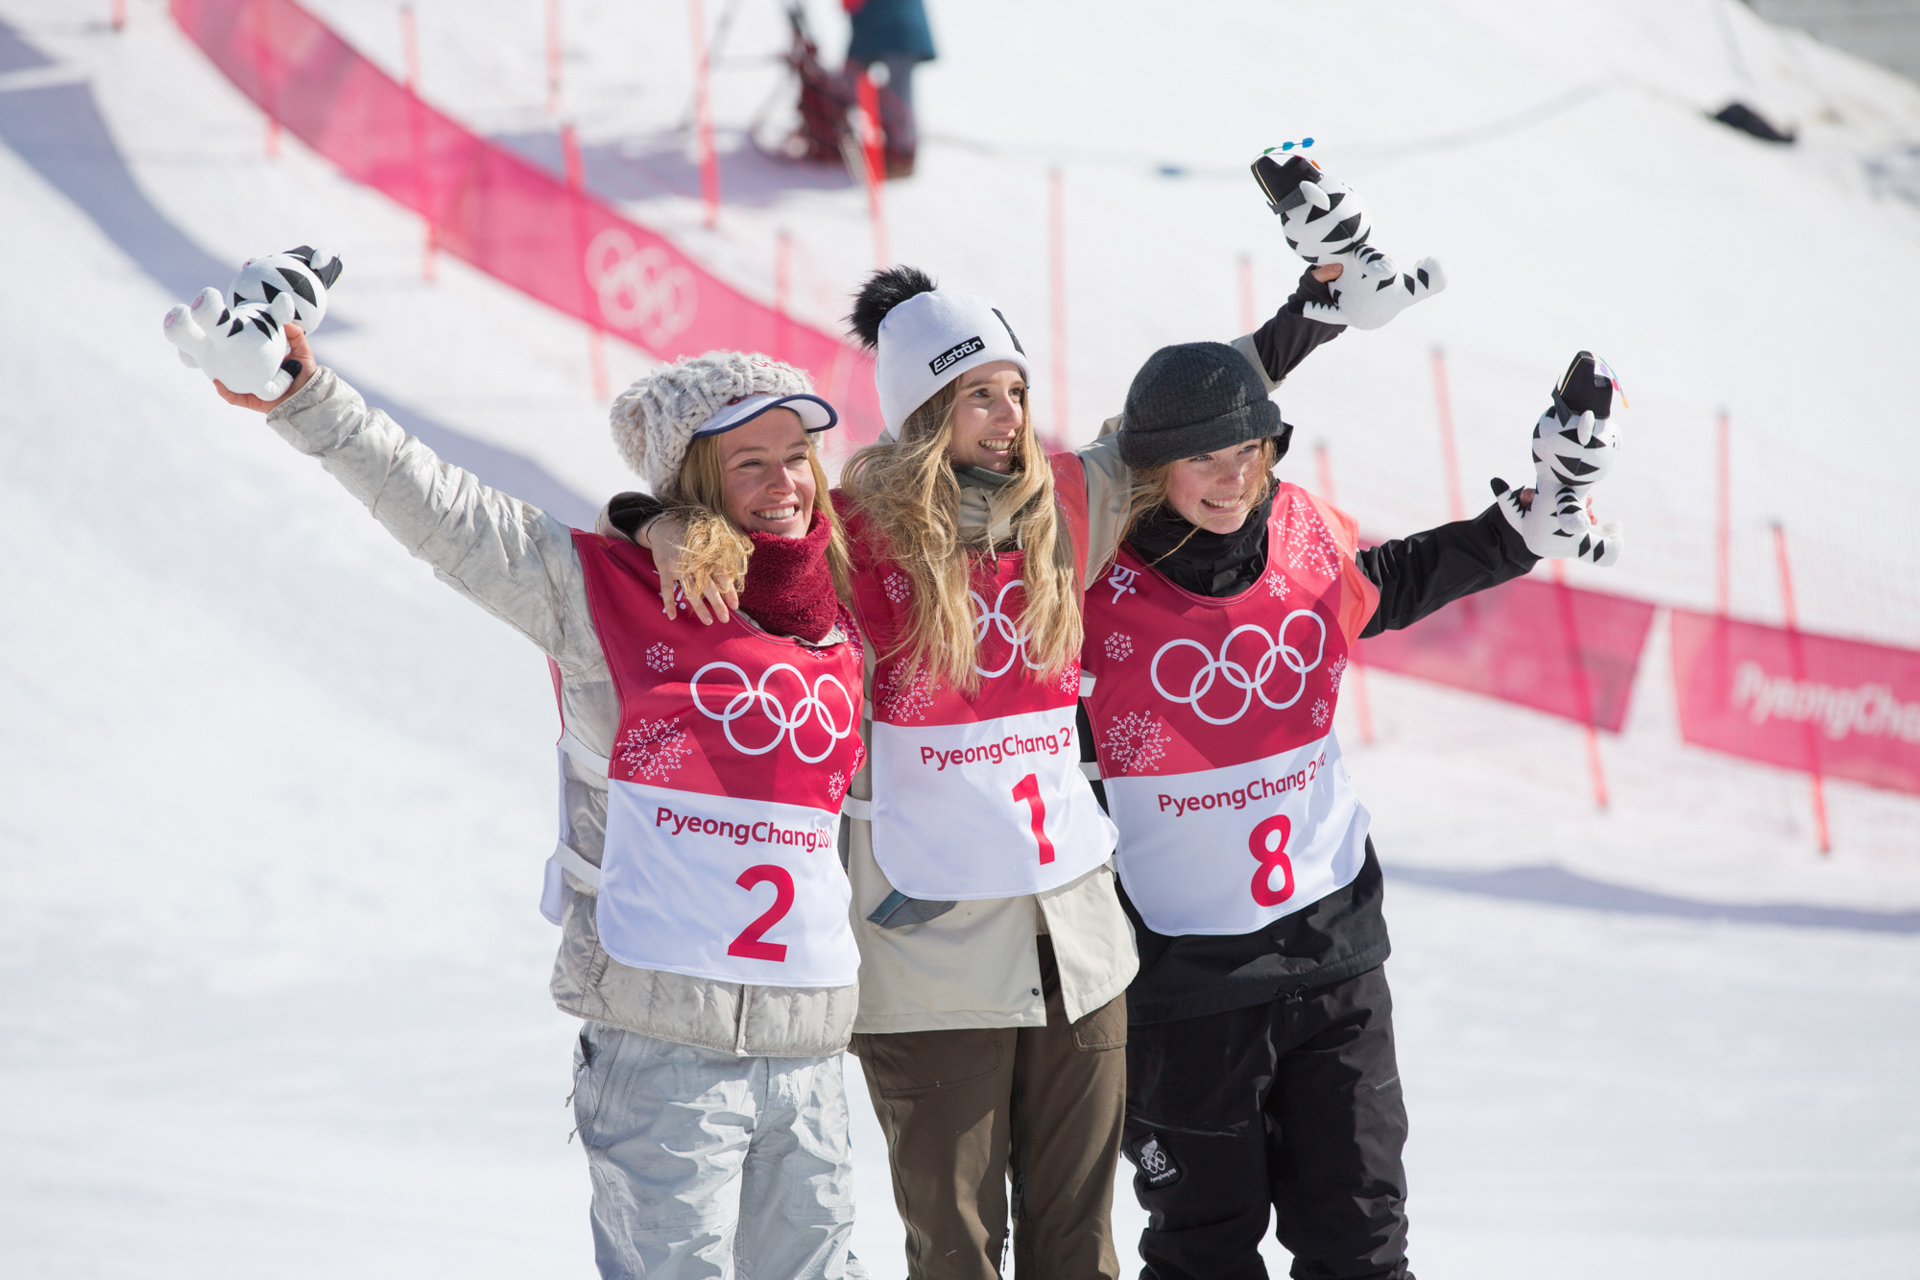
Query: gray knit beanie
[(1193, 398), (656, 418)]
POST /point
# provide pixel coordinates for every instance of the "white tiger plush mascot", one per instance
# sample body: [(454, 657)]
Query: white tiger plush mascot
[(239, 339), (1326, 223), (1574, 445)]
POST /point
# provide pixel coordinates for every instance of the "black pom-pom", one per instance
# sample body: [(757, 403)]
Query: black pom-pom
[(883, 291)]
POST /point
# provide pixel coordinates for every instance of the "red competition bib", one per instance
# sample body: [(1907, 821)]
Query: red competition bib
[(977, 796), (733, 754), (1213, 720)]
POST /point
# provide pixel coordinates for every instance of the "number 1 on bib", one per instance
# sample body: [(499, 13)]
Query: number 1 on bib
[(1027, 792)]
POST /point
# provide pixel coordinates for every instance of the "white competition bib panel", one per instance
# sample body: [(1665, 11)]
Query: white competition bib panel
[(713, 887), (978, 795), (1213, 721), (724, 786), (1232, 850), (988, 809)]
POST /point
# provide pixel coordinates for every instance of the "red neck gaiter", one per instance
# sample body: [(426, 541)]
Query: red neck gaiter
[(789, 589)]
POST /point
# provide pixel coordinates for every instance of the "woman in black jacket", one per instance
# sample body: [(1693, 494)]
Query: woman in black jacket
[(1261, 1070)]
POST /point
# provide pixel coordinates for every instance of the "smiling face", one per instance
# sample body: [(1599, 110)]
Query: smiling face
[(766, 475), (1215, 491), (988, 416)]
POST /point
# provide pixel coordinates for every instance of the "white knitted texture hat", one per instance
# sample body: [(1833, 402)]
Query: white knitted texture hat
[(932, 338), (656, 418)]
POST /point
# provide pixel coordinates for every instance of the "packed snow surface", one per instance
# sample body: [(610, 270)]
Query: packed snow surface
[(272, 984)]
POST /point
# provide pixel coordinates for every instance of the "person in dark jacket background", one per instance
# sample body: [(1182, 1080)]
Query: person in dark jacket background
[(1262, 1077), (893, 35)]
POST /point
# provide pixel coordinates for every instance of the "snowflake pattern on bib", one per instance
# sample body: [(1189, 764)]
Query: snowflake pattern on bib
[(653, 750), (660, 657), (906, 697), (1336, 670), (837, 786), (1320, 713), (898, 586), (1135, 741), (1276, 584), (1119, 646), (1068, 680), (1309, 545)]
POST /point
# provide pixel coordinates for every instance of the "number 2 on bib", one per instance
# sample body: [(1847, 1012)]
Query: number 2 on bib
[(749, 945), (1027, 792), (1268, 845)]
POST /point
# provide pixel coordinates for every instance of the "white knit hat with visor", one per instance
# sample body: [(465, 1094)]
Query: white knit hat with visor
[(656, 418)]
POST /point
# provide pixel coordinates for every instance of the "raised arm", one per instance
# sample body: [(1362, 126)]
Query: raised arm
[(512, 559), (1431, 569)]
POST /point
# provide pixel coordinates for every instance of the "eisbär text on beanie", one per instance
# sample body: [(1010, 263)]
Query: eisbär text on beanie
[(1193, 398), (925, 337)]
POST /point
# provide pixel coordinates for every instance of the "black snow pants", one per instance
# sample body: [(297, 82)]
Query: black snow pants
[(1292, 1107)]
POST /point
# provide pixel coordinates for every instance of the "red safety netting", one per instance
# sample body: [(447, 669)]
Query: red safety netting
[(1563, 650), (1842, 708), (502, 214)]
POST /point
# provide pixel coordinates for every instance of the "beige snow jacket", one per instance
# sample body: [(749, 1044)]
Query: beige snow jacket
[(518, 563), (978, 965)]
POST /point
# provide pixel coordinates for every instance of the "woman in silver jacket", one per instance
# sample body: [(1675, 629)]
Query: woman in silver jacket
[(712, 1112)]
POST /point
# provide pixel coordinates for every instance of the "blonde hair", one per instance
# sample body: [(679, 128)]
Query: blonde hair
[(715, 550), (908, 489), (1148, 492)]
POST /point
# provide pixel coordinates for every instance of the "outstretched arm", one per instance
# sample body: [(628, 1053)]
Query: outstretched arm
[(1418, 574), (512, 559), (1278, 346)]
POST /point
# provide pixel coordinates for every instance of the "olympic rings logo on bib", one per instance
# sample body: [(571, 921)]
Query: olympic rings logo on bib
[(1278, 653), (997, 619), (810, 707)]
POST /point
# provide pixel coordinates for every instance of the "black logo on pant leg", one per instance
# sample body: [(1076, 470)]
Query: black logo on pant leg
[(1155, 1162)]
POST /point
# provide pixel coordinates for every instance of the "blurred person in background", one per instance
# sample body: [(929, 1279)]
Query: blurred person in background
[(889, 38)]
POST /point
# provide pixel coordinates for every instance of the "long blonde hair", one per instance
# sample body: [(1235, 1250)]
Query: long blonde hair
[(1148, 491), (908, 489), (716, 549)]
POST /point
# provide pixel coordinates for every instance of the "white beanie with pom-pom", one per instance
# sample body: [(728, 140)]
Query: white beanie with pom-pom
[(656, 418)]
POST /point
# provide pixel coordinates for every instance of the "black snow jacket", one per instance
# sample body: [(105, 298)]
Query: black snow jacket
[(1343, 934)]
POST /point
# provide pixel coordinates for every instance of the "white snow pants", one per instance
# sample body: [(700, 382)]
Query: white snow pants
[(708, 1165)]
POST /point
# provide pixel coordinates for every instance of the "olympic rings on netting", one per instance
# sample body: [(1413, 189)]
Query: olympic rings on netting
[(1278, 653), (640, 289), (812, 707), (997, 619)]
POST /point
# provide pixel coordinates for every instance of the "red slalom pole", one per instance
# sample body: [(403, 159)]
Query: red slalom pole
[(1449, 455), (703, 116), (1723, 521), (577, 182), (873, 149), (410, 47), (782, 289), (1247, 314), (1057, 287), (1356, 668), (410, 60), (119, 15), (1583, 692), (1799, 677), (555, 57)]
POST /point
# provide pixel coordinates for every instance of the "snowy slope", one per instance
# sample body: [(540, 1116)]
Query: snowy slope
[(271, 982)]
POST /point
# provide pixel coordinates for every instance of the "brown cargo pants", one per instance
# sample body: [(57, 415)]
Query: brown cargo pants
[(966, 1110)]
